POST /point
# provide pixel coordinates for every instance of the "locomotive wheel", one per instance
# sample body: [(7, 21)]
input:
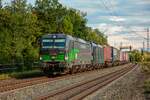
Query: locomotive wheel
[(67, 70), (73, 70)]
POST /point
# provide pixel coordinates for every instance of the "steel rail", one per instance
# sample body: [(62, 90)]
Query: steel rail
[(77, 89), (16, 84)]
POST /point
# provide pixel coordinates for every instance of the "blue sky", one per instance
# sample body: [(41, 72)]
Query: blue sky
[(122, 20)]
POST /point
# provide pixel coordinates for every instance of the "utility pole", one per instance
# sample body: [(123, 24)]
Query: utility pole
[(130, 48), (121, 45), (147, 39), (142, 50), (143, 45)]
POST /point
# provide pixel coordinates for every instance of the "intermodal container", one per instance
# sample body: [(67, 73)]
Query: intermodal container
[(108, 54), (121, 56), (124, 56), (100, 54), (115, 54)]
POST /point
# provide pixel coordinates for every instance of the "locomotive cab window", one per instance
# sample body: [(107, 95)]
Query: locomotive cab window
[(53, 43), (47, 43), (59, 43)]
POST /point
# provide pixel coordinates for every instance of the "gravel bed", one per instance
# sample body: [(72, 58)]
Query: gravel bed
[(31, 92), (127, 87)]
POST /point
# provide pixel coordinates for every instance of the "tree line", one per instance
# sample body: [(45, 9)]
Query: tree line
[(136, 56), (22, 24)]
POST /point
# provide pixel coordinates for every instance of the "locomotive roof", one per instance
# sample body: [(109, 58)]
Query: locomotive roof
[(100, 46), (81, 40), (94, 44), (58, 35), (62, 35), (97, 45), (52, 35)]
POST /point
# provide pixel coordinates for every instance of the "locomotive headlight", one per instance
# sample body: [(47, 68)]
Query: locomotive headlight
[(40, 58), (76, 56), (66, 57), (54, 36)]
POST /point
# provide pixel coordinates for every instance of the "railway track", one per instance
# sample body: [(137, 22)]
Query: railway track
[(22, 83), (81, 90), (16, 84)]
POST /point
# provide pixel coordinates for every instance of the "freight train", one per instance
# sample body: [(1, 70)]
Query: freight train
[(60, 53)]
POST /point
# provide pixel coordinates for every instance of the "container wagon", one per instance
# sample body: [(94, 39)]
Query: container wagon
[(111, 56), (98, 56), (115, 56), (108, 56), (124, 58)]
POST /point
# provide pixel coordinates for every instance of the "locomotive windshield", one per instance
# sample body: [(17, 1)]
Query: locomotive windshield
[(53, 43), (47, 43), (59, 43)]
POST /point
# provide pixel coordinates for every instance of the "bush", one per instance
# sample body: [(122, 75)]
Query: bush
[(27, 74), (4, 76), (146, 67), (147, 86)]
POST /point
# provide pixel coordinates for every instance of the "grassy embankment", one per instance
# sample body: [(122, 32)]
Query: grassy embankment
[(22, 74), (4, 76), (146, 70)]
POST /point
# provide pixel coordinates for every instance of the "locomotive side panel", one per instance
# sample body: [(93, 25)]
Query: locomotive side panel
[(84, 55)]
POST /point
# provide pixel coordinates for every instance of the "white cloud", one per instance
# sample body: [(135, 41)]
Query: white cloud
[(117, 19), (127, 36), (109, 28), (131, 18), (118, 39)]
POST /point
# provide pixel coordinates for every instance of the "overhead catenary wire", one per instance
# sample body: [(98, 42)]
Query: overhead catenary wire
[(113, 13), (121, 24)]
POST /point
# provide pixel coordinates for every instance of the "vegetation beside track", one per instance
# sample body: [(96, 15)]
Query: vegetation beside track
[(4, 76), (27, 74), (146, 70), (146, 63), (23, 74), (20, 71), (147, 86), (146, 67), (144, 60)]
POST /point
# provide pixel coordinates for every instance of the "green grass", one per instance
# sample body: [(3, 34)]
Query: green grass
[(24, 74), (4, 76), (147, 86), (27, 74), (146, 67), (146, 70)]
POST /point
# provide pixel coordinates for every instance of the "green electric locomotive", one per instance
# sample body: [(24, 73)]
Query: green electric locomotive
[(60, 53)]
